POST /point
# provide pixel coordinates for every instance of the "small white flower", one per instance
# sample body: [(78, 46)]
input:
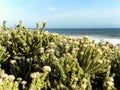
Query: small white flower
[(4, 76), (86, 38), (55, 34), (104, 48), (92, 45), (47, 54), (77, 43), (1, 82), (19, 79), (47, 69), (111, 79), (108, 61), (85, 45), (11, 77), (24, 82), (73, 52), (82, 53), (52, 43), (61, 43), (35, 75), (67, 46), (76, 79), (110, 83), (44, 22), (41, 50), (73, 86), (84, 86), (70, 41), (100, 61), (0, 47), (68, 55), (16, 57), (80, 39), (85, 80), (50, 51), (28, 59), (76, 48), (9, 42), (13, 61), (99, 51), (64, 40)]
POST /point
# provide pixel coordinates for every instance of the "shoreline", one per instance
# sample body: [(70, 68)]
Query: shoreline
[(114, 41)]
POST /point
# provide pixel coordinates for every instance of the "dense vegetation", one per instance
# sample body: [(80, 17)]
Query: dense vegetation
[(39, 60)]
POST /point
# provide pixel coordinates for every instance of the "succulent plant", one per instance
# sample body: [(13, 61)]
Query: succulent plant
[(39, 60)]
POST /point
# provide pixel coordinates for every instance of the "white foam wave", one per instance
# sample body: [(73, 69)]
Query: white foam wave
[(98, 38)]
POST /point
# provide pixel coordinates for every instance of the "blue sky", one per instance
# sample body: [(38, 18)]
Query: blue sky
[(62, 13)]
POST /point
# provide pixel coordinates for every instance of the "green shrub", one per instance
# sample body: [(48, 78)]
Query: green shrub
[(40, 60), (115, 57)]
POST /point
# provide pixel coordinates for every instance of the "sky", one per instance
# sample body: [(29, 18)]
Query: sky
[(62, 13)]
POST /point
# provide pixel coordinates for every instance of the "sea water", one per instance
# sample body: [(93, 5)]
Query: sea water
[(98, 34)]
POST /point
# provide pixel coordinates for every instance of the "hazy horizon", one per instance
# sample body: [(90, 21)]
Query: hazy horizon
[(62, 13)]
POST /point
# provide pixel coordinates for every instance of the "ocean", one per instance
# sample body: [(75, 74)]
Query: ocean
[(98, 34)]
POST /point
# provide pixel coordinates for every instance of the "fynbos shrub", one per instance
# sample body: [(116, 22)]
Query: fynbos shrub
[(39, 60)]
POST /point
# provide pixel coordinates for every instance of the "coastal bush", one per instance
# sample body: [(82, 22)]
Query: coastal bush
[(39, 60), (115, 57)]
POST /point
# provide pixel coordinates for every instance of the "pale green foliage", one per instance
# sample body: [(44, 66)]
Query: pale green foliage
[(40, 60), (7, 82)]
